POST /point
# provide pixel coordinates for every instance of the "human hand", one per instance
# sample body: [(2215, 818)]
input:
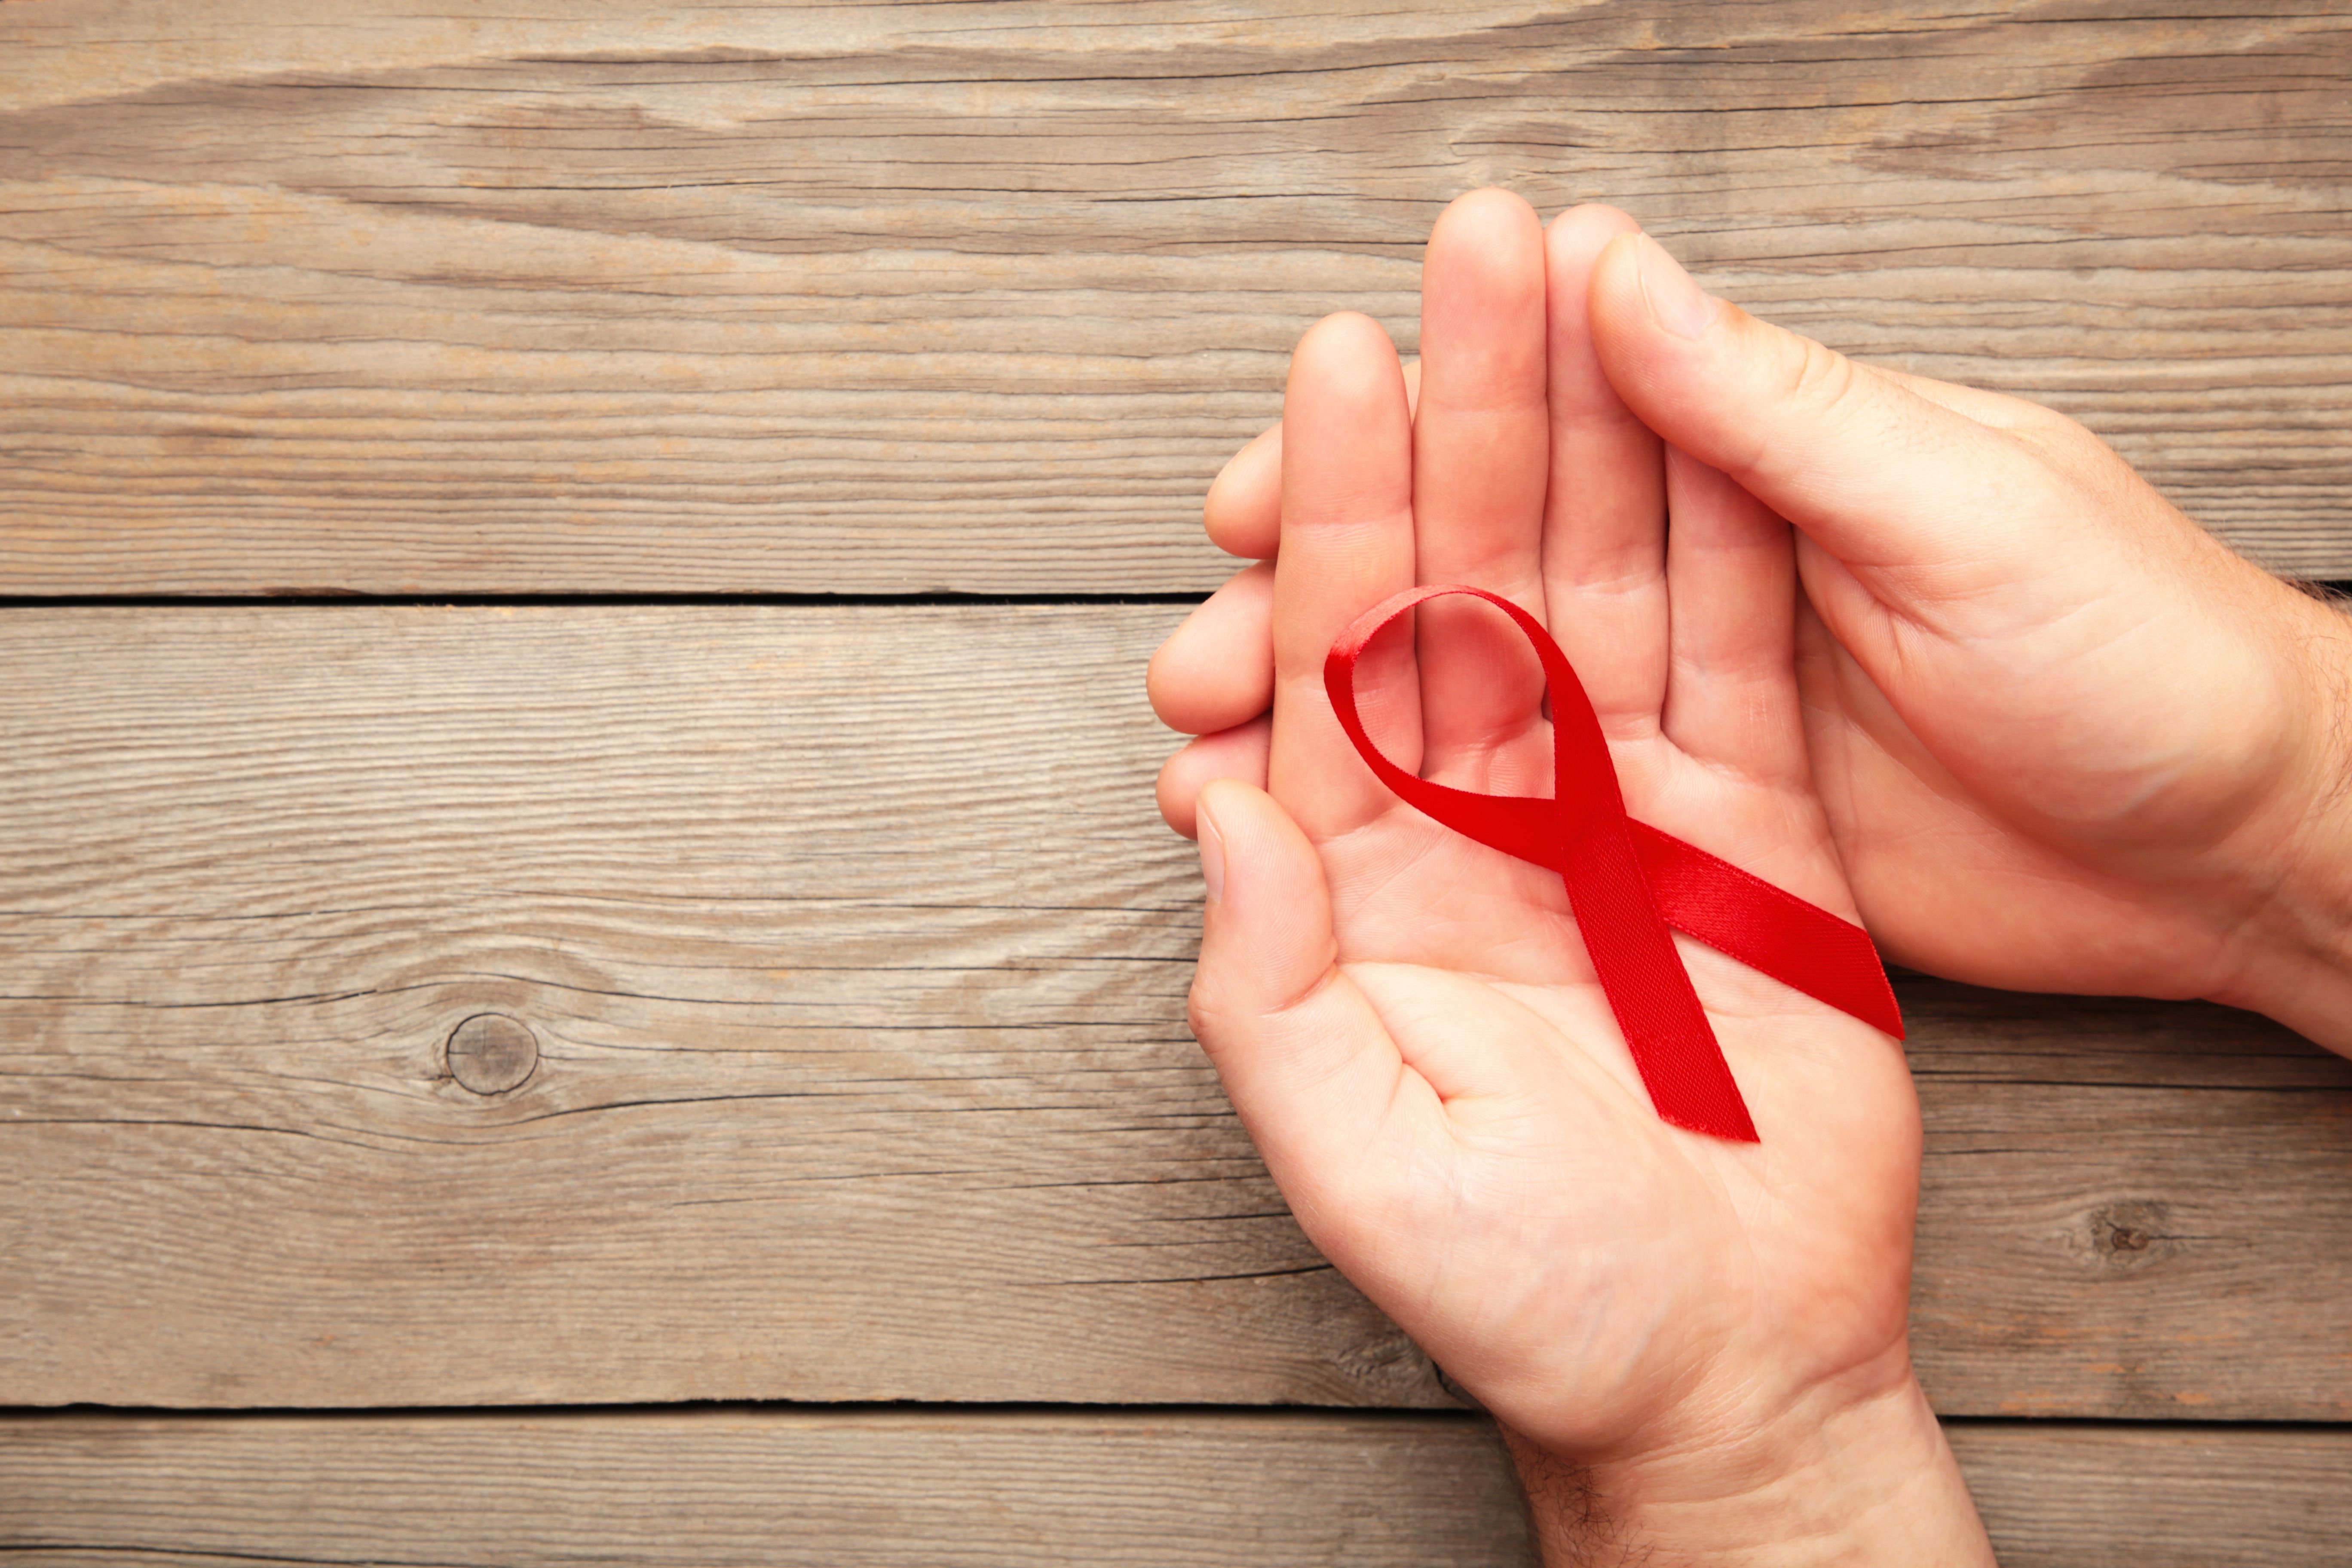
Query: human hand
[(2066, 739), (1709, 1337)]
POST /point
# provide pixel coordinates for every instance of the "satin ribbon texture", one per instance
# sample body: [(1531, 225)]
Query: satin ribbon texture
[(1627, 882)]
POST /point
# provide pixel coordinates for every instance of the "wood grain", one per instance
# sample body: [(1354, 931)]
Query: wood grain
[(2060, 1495), (572, 297), (860, 1489), (854, 958), (938, 1490), (2131, 1196)]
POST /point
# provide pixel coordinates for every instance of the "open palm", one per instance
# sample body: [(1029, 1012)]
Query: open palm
[(1407, 1020)]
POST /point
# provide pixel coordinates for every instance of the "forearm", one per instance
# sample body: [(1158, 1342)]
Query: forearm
[(1873, 1482)]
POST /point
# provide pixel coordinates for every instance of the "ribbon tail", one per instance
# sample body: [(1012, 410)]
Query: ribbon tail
[(1674, 1047), (1802, 945)]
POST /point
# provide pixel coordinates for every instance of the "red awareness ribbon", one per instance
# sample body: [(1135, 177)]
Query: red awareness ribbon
[(1627, 882)]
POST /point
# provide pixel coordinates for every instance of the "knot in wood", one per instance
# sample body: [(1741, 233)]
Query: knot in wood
[(490, 1053), (2131, 1234)]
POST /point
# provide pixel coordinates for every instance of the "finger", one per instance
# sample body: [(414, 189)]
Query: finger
[(1243, 512), (1347, 544), (1244, 509), (1900, 489), (1478, 441), (1732, 695), (1217, 670), (1235, 753), (1605, 507), (1303, 1057)]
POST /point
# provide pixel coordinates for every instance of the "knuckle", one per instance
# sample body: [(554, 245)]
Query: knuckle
[(1820, 379), (1201, 1012)]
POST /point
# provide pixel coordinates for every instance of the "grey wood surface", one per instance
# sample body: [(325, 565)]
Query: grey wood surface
[(2061, 1495), (385, 296), (851, 957), (863, 1489), (754, 1488)]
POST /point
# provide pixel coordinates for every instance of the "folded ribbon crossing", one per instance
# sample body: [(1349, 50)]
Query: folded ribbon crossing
[(1627, 882)]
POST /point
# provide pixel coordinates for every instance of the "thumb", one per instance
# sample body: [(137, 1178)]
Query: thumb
[(1924, 504), (1303, 1057)]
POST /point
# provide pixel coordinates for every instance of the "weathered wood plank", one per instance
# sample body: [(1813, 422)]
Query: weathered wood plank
[(829, 1489), (854, 1489), (875, 298), (2129, 1195), (2059, 1495), (854, 958)]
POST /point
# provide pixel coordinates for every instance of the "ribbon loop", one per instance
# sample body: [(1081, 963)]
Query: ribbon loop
[(1627, 882)]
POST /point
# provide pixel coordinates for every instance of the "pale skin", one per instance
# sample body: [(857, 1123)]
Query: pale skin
[(1990, 695)]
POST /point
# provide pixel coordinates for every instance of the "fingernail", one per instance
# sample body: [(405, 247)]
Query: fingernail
[(1676, 303), (1212, 855)]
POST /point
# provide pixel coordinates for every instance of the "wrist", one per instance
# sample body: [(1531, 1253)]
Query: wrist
[(1831, 1478), (2292, 952)]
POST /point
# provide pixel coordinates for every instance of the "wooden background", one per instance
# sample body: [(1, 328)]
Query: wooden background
[(681, 351)]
